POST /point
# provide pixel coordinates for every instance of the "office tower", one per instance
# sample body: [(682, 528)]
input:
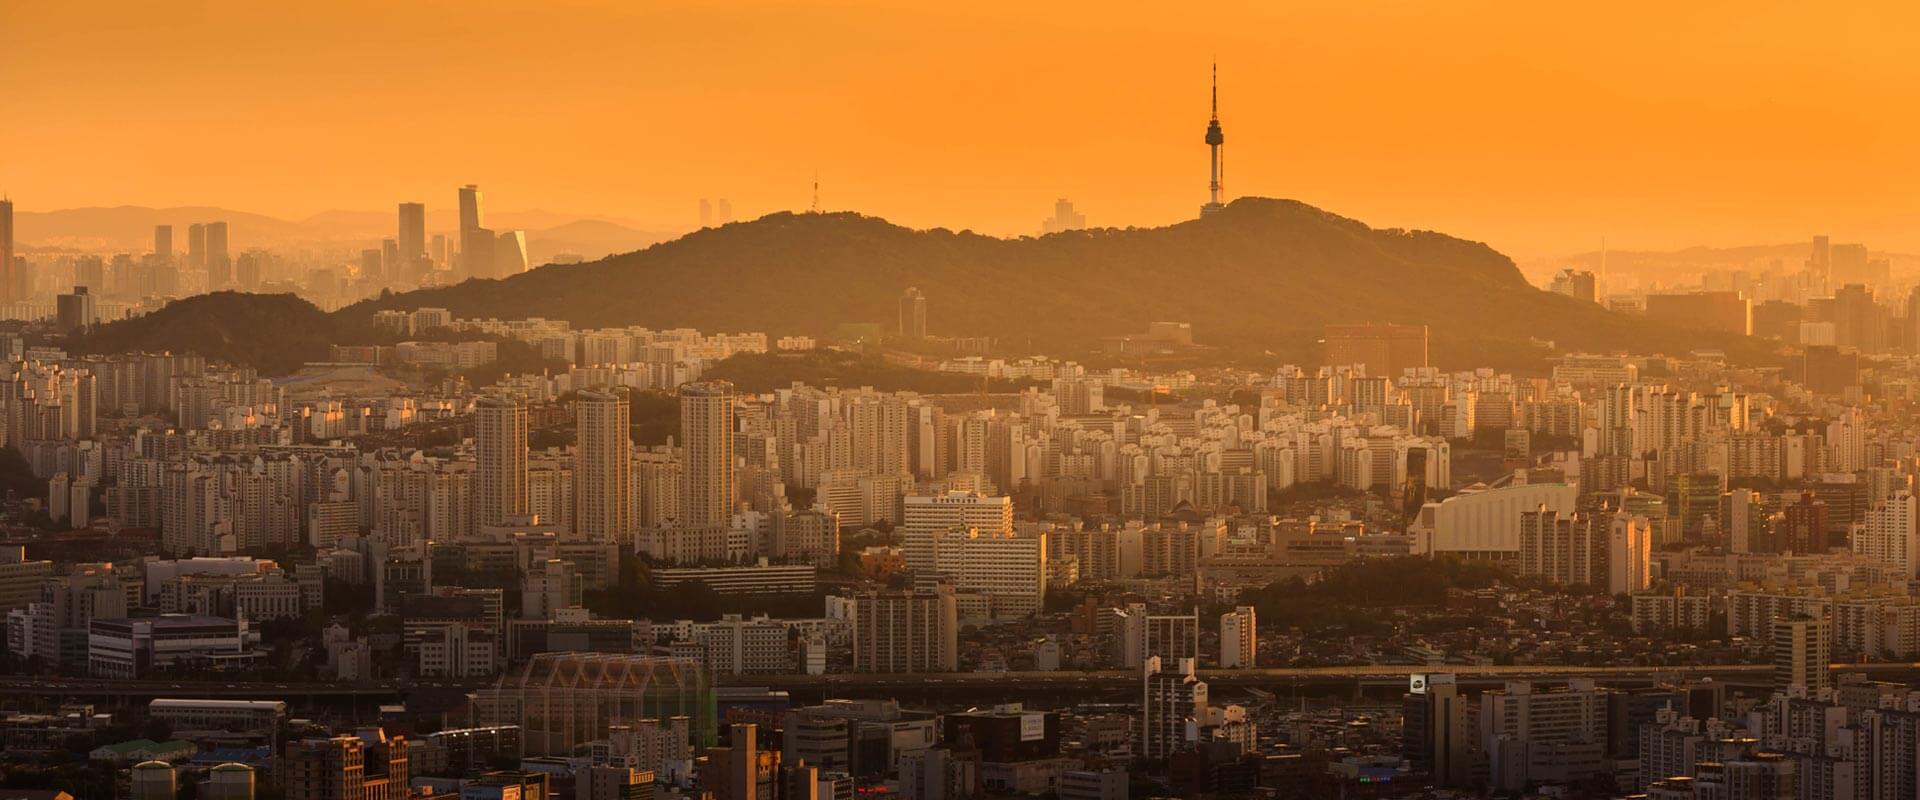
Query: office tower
[(370, 264), (75, 312), (476, 242), (602, 470), (906, 630), (218, 263), (1802, 653), (412, 236), (706, 470), (440, 245), (1436, 733), (6, 252), (509, 254), (1629, 554), (1239, 642), (470, 211), (196, 246), (723, 211), (1214, 141), (913, 314), (1889, 534), (500, 450), (1171, 695), (706, 213), (163, 243)]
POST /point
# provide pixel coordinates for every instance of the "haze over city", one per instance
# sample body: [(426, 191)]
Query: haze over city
[(636, 401), (1537, 129)]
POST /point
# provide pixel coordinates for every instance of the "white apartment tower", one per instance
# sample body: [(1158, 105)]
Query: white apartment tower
[(1888, 535), (500, 453), (706, 470)]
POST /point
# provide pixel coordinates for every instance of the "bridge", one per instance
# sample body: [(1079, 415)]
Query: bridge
[(1379, 678)]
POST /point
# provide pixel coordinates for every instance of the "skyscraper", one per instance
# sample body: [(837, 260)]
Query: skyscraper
[(196, 246), (412, 236), (219, 265), (500, 448), (706, 471), (509, 254), (1214, 140), (913, 314), (476, 242), (602, 470), (163, 243), (470, 212), (6, 251)]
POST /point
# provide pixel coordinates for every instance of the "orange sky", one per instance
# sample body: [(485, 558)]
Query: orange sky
[(1524, 124)]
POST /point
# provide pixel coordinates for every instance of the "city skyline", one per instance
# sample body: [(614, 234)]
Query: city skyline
[(1762, 137)]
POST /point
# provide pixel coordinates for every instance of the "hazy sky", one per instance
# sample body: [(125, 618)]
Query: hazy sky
[(1533, 126)]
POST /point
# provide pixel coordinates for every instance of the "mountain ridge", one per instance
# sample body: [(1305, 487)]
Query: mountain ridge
[(1259, 279)]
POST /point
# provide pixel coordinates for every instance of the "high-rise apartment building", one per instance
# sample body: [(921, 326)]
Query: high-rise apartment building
[(1239, 642), (906, 631), (500, 453), (1172, 694), (1629, 554), (706, 471), (1889, 534), (1144, 637), (1559, 548), (1802, 653), (602, 470)]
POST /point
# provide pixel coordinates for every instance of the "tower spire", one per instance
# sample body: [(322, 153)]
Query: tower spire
[(1216, 90), (1215, 138)]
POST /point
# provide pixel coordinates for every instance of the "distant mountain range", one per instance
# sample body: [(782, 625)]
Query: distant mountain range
[(1679, 266), (130, 228), (1258, 279)]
